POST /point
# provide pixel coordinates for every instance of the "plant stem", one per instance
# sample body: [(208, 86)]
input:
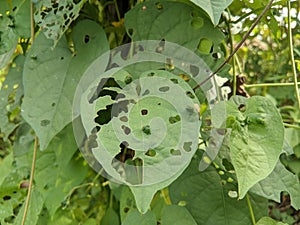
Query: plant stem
[(250, 209), (238, 46), (291, 126), (31, 180), (117, 10), (32, 21), (165, 194), (270, 85), (292, 54)]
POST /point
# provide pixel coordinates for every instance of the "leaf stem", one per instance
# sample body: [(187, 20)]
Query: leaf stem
[(238, 46), (32, 21), (165, 194), (270, 85), (292, 54), (250, 209), (117, 10), (31, 180), (291, 126)]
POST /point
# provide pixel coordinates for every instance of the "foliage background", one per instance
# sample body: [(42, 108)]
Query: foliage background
[(66, 190)]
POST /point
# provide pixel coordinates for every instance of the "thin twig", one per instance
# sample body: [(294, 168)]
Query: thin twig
[(32, 20), (31, 180), (292, 54), (250, 209), (238, 46), (269, 85)]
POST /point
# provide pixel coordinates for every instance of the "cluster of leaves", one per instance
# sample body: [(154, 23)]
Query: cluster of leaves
[(258, 157)]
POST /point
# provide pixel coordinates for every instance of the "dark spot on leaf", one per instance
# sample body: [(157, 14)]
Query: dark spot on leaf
[(6, 197), (187, 146), (164, 89), (174, 119), (151, 153), (62, 58), (190, 94), (159, 6), (126, 209), (138, 89), (221, 131), (24, 184), (45, 123), (242, 108), (194, 70), (144, 112), (14, 8), (53, 104), (175, 152), (146, 130), (159, 103), (86, 38), (124, 118)]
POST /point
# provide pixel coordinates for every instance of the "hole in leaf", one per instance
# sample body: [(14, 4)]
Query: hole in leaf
[(124, 118), (190, 95), (194, 70), (130, 31), (175, 152), (45, 123), (126, 210), (197, 22), (184, 77), (159, 6), (144, 112), (175, 81), (53, 104), (151, 153), (86, 38), (126, 129), (62, 58), (217, 55), (128, 79), (6, 197), (146, 130), (146, 92), (164, 89), (169, 64), (161, 46), (205, 46), (159, 103), (174, 119), (187, 146), (242, 108), (151, 74)]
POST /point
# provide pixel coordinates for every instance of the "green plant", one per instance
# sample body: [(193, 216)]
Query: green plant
[(139, 88)]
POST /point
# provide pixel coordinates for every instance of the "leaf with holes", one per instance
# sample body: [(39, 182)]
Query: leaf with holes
[(55, 17), (279, 180), (256, 139), (209, 201), (214, 8), (51, 78), (189, 28)]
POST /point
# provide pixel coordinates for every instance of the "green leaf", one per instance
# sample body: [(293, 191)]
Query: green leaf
[(188, 28), (136, 218), (51, 78), (57, 171), (208, 201), (176, 215), (54, 18), (110, 217), (22, 19), (256, 139), (279, 180), (5, 167), (10, 95), (213, 8), (269, 221), (34, 209)]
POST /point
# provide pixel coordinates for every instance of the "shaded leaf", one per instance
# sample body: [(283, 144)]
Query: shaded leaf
[(136, 218), (176, 215), (269, 221), (279, 180)]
